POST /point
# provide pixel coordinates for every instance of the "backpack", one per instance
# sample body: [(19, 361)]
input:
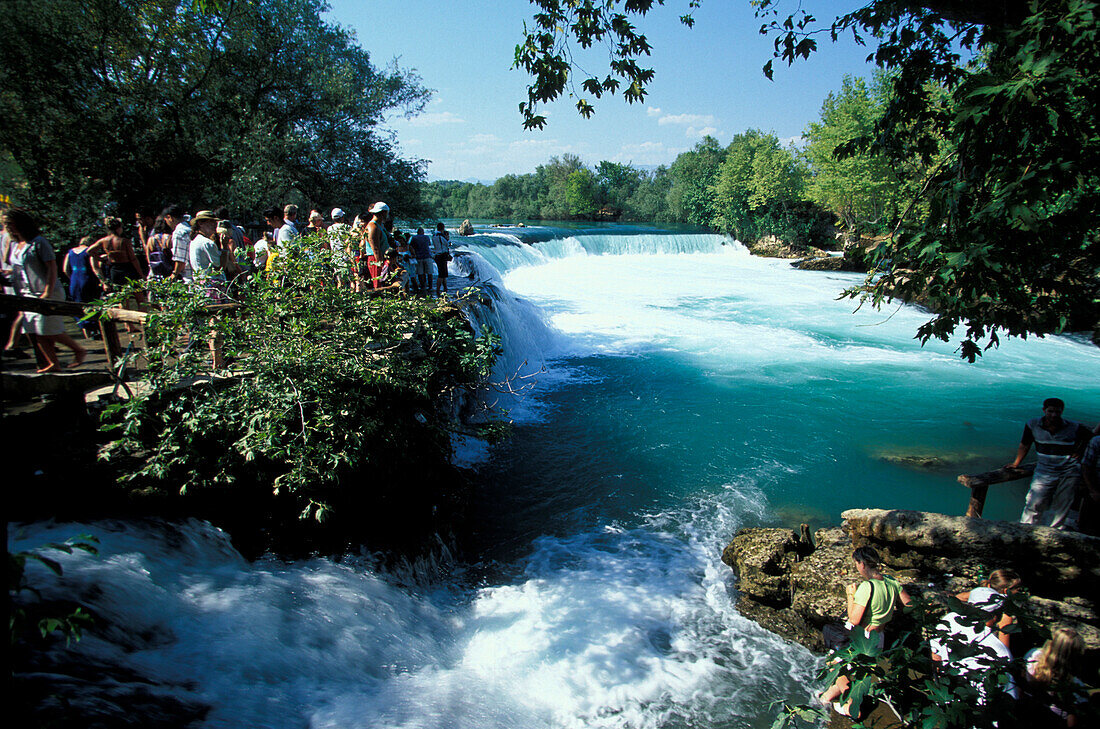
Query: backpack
[(160, 260)]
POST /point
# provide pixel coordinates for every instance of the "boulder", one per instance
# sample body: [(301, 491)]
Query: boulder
[(466, 228)]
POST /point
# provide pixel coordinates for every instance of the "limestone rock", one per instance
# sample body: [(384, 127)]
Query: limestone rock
[(830, 263), (1053, 563), (772, 247)]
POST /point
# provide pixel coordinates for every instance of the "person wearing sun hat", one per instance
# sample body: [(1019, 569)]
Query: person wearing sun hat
[(205, 254), (378, 242)]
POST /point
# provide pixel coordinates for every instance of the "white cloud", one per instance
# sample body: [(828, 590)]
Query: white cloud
[(646, 153), (434, 119), (653, 111), (484, 139), (693, 133), (687, 120)]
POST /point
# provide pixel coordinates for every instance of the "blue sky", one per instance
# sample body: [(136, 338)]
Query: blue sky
[(708, 82)]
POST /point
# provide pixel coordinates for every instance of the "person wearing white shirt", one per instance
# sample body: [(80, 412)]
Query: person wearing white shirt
[(206, 256), (288, 232)]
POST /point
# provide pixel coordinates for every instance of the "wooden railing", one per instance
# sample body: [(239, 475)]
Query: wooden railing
[(979, 484), (108, 324)]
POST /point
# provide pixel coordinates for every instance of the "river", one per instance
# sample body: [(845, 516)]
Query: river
[(681, 389)]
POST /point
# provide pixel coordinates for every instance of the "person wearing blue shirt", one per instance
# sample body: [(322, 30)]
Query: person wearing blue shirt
[(1089, 521), (421, 246)]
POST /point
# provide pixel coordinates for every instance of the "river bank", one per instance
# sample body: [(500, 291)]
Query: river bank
[(793, 583)]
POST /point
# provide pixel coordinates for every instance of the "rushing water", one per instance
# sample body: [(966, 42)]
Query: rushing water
[(684, 389)]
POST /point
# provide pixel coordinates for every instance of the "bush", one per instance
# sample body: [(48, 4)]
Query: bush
[(327, 396)]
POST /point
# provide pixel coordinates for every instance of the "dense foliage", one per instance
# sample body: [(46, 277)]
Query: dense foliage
[(328, 398), (1010, 240), (241, 102), (866, 191)]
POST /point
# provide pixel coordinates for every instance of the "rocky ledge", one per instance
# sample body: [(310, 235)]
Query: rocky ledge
[(830, 263), (792, 583), (772, 247)]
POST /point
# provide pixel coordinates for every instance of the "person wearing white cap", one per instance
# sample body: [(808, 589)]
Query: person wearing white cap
[(378, 242), (340, 243), (338, 223)]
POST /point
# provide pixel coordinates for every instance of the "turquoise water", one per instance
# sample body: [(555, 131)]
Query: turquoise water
[(679, 390), (685, 367)]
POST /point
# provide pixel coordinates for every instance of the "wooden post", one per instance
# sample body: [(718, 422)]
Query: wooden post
[(111, 344), (217, 352), (977, 501)]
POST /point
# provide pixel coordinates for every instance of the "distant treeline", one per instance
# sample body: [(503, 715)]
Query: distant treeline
[(750, 188)]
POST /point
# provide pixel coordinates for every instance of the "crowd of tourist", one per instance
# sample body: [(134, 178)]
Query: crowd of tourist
[(972, 642), (207, 249)]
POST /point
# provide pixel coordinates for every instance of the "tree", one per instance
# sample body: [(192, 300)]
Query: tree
[(580, 193), (693, 173), (1010, 242), (617, 182), (150, 101), (759, 184), (862, 188)]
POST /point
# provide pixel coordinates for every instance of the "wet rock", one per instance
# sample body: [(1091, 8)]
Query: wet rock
[(934, 461), (466, 228)]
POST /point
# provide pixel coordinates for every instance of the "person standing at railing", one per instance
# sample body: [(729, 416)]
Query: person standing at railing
[(441, 248), (176, 219), (34, 272), (206, 255), (120, 263), (1089, 522), (1059, 445), (377, 242), (421, 247)]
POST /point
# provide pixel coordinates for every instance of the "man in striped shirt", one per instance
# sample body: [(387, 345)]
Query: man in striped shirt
[(1059, 445)]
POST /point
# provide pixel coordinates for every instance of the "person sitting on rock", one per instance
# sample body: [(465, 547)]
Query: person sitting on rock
[(393, 277), (1003, 582), (1051, 688), (967, 643), (870, 606)]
